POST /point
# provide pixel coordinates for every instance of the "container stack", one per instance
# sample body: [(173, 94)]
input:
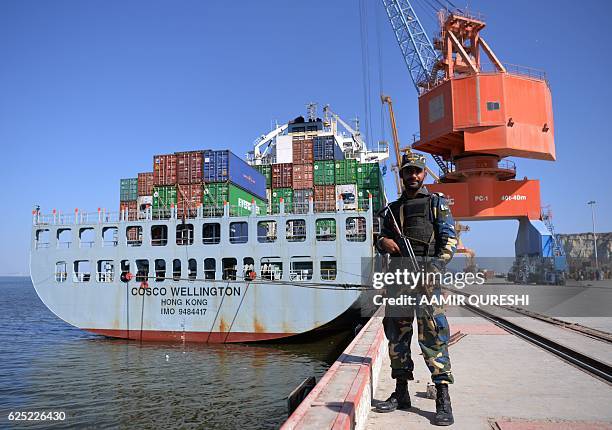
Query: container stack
[(187, 180), (320, 171), (128, 197)]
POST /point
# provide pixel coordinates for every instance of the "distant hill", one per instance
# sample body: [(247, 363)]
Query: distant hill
[(580, 246)]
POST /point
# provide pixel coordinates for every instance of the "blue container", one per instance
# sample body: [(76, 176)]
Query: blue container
[(224, 166), (325, 148)]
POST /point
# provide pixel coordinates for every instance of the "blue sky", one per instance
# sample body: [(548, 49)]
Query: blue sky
[(91, 90)]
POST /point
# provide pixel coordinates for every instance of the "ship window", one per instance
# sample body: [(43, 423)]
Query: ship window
[(300, 270), (184, 234), (64, 237), (159, 235), (211, 233), (328, 270), (109, 236), (160, 270), (271, 268), (125, 269), (266, 231), (42, 238), (176, 269), (87, 237), (142, 270), (82, 271), (192, 269), (239, 232), (356, 229), (325, 229), (248, 268), (492, 105), (61, 271), (106, 271), (134, 235), (296, 230), (228, 266), (210, 267), (311, 128)]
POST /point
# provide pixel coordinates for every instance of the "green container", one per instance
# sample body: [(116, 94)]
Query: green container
[(164, 197), (346, 172), (266, 170), (377, 198), (325, 229), (128, 189), (368, 175), (286, 194), (325, 172), (215, 194)]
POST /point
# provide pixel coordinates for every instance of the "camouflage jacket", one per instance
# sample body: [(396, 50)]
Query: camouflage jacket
[(441, 218)]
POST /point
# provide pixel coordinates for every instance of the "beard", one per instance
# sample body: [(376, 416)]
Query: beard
[(412, 185)]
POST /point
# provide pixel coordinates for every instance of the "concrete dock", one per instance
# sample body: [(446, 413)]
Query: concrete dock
[(502, 382)]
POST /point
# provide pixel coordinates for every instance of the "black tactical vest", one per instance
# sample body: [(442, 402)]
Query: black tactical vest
[(417, 226)]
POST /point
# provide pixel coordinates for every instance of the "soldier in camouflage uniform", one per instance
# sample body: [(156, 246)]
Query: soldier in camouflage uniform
[(425, 220)]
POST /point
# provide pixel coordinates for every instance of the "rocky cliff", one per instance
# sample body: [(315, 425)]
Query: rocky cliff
[(580, 246)]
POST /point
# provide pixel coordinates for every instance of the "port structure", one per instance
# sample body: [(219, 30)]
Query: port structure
[(474, 112)]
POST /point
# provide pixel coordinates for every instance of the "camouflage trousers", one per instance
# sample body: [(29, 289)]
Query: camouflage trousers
[(433, 332)]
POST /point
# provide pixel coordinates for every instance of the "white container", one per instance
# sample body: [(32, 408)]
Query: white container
[(348, 194), (284, 149)]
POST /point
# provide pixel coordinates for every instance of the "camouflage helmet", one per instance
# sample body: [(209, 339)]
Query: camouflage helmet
[(413, 159)]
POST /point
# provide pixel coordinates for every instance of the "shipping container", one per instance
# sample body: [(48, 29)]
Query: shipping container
[(325, 148), (301, 200), (348, 194), (128, 189), (302, 151), (378, 198), (145, 202), (145, 184), (346, 172), (164, 197), (225, 166), (325, 172), (164, 170), (368, 175), (132, 209), (266, 170), (189, 197), (282, 175), (325, 198), (303, 176), (282, 193), (189, 166), (240, 201)]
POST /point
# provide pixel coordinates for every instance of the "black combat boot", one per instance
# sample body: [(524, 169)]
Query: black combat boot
[(399, 399), (444, 410)]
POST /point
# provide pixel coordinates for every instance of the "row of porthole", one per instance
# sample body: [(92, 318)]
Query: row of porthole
[(270, 269)]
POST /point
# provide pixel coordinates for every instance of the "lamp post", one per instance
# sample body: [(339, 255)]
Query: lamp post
[(592, 204)]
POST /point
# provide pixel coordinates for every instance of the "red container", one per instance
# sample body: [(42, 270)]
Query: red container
[(145, 184), (303, 176), (164, 169), (282, 175), (189, 167), (325, 198), (132, 208), (189, 197), (303, 151)]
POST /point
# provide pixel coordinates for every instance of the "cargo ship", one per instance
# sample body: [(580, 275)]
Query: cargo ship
[(209, 247)]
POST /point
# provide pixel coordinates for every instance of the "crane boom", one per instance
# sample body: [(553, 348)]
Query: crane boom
[(417, 50)]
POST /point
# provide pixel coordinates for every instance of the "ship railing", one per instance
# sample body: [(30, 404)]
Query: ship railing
[(105, 277), (103, 217), (62, 245), (87, 244), (81, 276), (328, 274), (300, 275)]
